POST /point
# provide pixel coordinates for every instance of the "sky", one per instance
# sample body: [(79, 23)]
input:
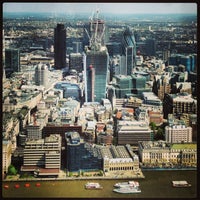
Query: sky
[(135, 8)]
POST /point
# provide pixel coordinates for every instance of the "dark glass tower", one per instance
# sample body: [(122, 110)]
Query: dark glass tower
[(12, 61), (60, 46), (80, 155), (129, 51)]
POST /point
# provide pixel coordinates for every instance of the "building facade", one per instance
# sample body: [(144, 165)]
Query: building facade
[(43, 154), (178, 134), (162, 153), (96, 73)]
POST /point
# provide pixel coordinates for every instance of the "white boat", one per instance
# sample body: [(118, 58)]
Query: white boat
[(125, 184), (93, 186), (127, 190), (181, 184)]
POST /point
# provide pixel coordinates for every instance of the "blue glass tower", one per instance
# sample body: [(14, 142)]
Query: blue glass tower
[(128, 50), (80, 155)]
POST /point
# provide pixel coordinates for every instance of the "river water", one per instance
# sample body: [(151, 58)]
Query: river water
[(157, 184)]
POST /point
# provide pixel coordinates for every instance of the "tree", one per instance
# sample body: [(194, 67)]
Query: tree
[(153, 126), (12, 170), (159, 135)]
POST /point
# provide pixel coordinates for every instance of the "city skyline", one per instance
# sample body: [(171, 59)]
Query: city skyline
[(120, 8)]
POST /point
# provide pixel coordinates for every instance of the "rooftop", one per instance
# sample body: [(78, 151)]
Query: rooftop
[(184, 146)]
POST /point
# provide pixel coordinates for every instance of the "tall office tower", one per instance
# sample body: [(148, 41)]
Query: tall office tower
[(128, 51), (60, 46), (95, 62), (12, 61)]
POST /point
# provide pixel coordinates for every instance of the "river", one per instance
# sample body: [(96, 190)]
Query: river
[(157, 184)]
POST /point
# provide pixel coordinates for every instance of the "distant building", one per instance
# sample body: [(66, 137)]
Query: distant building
[(150, 47), (188, 61), (12, 61), (76, 62), (60, 46)]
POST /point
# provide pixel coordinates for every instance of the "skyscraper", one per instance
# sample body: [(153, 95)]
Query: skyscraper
[(12, 61), (60, 46), (128, 51), (95, 59)]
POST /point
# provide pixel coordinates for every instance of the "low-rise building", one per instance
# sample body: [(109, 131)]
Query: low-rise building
[(161, 152)]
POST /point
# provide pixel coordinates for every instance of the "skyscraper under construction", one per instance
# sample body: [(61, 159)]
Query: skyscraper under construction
[(95, 61)]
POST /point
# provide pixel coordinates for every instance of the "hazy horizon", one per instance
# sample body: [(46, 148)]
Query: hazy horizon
[(113, 8)]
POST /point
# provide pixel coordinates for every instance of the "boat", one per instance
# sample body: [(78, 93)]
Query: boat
[(127, 190), (181, 184), (125, 184), (93, 186), (37, 184), (27, 185), (17, 186), (6, 186)]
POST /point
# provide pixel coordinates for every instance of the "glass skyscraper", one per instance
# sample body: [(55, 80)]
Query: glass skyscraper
[(12, 61), (96, 71), (81, 155), (128, 51)]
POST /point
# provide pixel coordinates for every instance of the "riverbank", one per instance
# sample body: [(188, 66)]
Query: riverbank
[(107, 176), (156, 184)]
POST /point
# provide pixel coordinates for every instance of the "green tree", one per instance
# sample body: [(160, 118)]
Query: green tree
[(12, 170), (153, 126), (159, 135)]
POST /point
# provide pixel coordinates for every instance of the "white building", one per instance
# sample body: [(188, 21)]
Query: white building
[(178, 134)]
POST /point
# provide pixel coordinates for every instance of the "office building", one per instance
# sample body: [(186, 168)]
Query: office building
[(41, 75), (128, 51), (34, 131), (178, 133), (81, 156), (150, 47), (43, 156), (130, 132), (12, 61), (60, 46), (178, 104)]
